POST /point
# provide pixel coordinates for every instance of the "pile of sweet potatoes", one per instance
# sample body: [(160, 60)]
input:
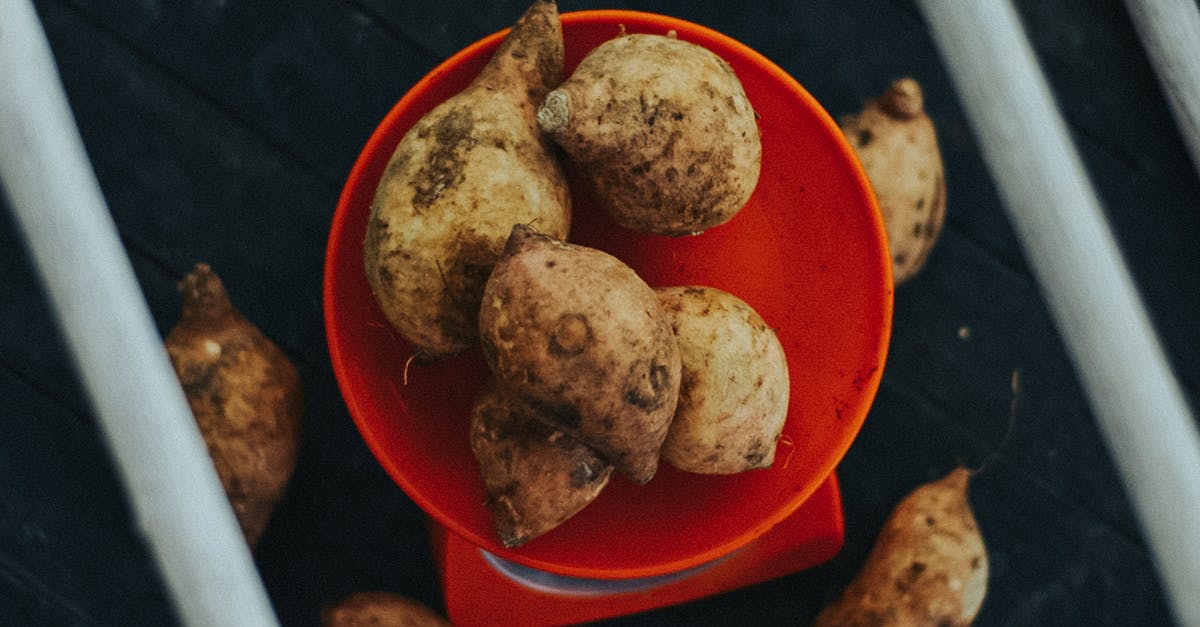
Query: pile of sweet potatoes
[(593, 370)]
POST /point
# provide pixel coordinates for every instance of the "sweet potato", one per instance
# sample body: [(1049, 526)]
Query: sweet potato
[(380, 609), (734, 386), (896, 143), (929, 565), (579, 337), (457, 182), (536, 476), (245, 394), (661, 129)]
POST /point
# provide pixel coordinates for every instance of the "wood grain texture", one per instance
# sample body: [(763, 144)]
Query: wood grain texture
[(1136, 399)]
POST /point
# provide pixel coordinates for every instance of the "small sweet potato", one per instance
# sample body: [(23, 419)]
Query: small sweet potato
[(897, 145), (457, 182), (245, 395), (734, 386), (662, 130), (576, 335), (929, 565), (536, 476), (380, 609)]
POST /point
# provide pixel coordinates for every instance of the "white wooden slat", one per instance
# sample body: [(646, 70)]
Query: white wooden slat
[(176, 496), (1136, 399), (1170, 33)]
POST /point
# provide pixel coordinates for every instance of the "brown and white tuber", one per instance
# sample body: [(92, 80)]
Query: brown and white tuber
[(897, 145), (929, 565), (580, 338), (734, 385), (380, 609), (536, 476), (245, 394), (661, 129), (457, 182)]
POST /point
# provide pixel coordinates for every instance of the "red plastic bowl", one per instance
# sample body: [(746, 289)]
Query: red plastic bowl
[(807, 252)]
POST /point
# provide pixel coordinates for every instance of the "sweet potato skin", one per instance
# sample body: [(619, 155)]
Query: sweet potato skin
[(896, 142), (246, 397), (458, 180), (380, 609), (536, 476), (662, 131), (929, 565), (733, 394), (575, 334)]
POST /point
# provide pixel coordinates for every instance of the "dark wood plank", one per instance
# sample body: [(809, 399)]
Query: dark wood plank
[(313, 78), (1108, 92), (186, 183), (1106, 86), (960, 330), (31, 348), (1021, 513), (70, 554)]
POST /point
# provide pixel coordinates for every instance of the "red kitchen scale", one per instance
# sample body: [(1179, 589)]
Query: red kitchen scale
[(808, 252)]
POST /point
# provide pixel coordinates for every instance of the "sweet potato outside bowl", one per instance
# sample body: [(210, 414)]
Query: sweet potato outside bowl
[(807, 252)]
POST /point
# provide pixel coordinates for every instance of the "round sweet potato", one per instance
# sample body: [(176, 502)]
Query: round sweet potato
[(576, 335), (661, 129), (734, 385)]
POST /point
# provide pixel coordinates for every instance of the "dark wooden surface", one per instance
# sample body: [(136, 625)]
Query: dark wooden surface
[(221, 131)]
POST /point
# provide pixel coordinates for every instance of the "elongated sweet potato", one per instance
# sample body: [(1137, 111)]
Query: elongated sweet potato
[(929, 565), (245, 395), (457, 182), (897, 146)]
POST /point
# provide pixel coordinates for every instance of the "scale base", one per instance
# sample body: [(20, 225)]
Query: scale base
[(481, 589)]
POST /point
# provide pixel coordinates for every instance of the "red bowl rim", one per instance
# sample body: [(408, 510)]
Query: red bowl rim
[(607, 17)]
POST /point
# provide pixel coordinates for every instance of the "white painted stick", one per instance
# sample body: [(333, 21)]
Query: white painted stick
[(1135, 397), (176, 496), (1170, 33)]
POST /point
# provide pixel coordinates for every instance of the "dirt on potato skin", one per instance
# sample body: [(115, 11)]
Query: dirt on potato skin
[(536, 476), (896, 143), (661, 131), (929, 564), (575, 335), (456, 183), (533, 49)]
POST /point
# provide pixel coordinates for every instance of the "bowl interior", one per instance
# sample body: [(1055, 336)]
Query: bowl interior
[(807, 252)]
